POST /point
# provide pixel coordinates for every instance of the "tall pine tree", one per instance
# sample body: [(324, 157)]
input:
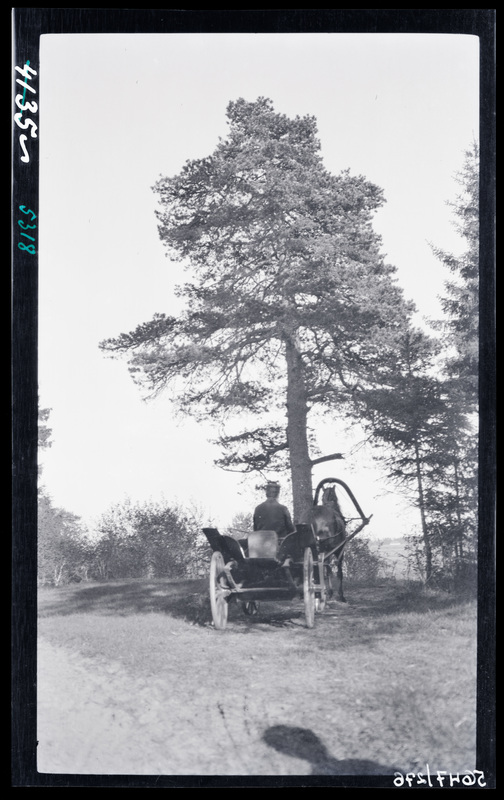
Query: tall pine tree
[(460, 303), (423, 414), (290, 303)]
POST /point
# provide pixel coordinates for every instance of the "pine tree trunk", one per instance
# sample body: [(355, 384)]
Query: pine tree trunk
[(459, 541), (297, 416), (425, 531)]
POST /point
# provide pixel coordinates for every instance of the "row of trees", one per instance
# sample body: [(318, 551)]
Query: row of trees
[(148, 540), (292, 312), (131, 541), (142, 541)]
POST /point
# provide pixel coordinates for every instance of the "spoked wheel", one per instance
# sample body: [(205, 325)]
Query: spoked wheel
[(218, 591), (250, 608), (321, 595), (308, 588)]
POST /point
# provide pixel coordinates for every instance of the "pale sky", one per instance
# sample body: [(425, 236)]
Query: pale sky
[(118, 111)]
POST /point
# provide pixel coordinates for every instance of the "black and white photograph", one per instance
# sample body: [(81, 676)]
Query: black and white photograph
[(259, 507)]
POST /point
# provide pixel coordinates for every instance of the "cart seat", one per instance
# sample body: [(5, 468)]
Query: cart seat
[(263, 544)]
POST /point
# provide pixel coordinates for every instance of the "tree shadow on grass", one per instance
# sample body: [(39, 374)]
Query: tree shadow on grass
[(400, 597), (186, 599), (189, 600), (302, 743)]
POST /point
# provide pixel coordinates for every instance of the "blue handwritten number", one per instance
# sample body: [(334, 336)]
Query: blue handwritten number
[(29, 248), (28, 211)]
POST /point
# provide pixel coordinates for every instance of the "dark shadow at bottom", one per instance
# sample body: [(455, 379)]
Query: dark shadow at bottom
[(303, 743)]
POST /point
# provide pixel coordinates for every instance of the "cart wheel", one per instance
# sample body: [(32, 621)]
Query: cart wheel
[(250, 608), (321, 597), (308, 588), (218, 593)]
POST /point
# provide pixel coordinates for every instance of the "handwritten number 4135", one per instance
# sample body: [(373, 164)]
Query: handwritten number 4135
[(25, 226)]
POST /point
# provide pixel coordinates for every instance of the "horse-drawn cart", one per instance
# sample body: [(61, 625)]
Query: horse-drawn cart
[(262, 567)]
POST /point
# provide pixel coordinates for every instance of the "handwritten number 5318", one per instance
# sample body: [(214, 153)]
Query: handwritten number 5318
[(29, 248)]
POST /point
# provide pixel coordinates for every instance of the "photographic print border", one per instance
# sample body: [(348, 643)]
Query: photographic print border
[(28, 24)]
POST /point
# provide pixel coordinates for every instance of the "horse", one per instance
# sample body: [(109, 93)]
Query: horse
[(327, 522)]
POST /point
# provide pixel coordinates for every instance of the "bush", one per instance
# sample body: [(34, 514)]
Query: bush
[(150, 540), (360, 562), (63, 552)]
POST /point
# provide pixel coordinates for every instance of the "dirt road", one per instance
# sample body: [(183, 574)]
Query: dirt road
[(268, 697)]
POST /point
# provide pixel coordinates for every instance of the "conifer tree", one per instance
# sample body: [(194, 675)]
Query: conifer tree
[(289, 302)]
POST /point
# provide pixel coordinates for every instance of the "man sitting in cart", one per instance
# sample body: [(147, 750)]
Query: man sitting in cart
[(272, 515)]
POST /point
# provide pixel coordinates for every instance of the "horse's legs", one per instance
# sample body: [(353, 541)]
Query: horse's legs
[(341, 597)]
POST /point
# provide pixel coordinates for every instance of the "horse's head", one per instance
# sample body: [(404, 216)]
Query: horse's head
[(330, 502), (326, 517), (329, 497)]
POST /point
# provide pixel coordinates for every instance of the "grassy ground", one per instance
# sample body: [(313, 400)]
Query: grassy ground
[(384, 682)]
